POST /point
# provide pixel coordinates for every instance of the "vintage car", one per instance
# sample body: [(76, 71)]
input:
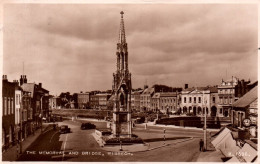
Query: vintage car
[(87, 125), (64, 129)]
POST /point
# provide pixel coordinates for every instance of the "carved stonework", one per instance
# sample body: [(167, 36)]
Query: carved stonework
[(122, 88)]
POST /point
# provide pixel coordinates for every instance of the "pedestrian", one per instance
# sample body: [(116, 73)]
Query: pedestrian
[(201, 145)]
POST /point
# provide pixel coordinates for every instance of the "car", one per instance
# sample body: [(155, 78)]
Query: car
[(87, 125), (64, 129)]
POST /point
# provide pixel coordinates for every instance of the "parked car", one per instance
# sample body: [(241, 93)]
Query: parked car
[(64, 129), (87, 126)]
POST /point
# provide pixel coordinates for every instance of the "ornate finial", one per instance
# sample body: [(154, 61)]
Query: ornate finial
[(122, 13)]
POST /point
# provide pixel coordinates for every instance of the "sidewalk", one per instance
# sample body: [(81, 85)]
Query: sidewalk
[(211, 155), (11, 153), (178, 127)]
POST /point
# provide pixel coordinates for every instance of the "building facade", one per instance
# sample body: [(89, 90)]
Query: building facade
[(83, 100), (165, 102), (39, 103), (195, 101), (146, 98), (8, 113), (103, 99), (135, 100), (244, 113), (231, 90), (54, 102)]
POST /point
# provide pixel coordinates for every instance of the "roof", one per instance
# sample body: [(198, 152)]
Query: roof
[(213, 89), (208, 88), (247, 99), (156, 95), (148, 91), (137, 92), (29, 87)]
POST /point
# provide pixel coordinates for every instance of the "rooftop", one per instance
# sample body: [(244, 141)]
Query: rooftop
[(247, 99)]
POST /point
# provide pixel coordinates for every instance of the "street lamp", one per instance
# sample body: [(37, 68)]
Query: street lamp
[(205, 123), (21, 119)]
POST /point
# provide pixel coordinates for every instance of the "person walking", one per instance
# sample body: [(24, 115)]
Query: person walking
[(201, 145)]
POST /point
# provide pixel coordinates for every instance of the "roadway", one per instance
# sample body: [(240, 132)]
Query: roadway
[(80, 145)]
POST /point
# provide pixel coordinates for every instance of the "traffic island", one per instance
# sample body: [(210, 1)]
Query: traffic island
[(105, 137)]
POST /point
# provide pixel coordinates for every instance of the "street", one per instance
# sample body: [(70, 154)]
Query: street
[(80, 145)]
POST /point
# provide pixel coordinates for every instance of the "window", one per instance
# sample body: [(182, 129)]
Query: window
[(226, 100), (194, 99), (184, 99), (213, 99), (199, 99), (11, 107), (8, 103), (221, 100), (190, 100), (230, 100)]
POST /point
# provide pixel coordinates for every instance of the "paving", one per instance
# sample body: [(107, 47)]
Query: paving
[(12, 153)]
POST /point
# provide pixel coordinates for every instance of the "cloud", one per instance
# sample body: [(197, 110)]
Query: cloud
[(72, 47)]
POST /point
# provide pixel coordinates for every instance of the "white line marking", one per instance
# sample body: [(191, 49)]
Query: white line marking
[(64, 147)]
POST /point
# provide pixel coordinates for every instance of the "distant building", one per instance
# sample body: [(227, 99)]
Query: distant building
[(103, 100), (244, 113), (166, 102), (54, 102), (145, 99), (196, 101), (135, 100), (83, 100), (231, 90)]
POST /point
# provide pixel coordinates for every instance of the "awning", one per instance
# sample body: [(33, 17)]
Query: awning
[(247, 152)]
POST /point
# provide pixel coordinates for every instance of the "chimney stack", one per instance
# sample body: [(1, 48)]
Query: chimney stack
[(40, 85), (186, 86), (5, 77)]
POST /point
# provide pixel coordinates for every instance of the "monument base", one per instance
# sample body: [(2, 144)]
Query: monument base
[(106, 138)]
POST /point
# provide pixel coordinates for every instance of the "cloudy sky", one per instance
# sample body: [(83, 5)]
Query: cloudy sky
[(73, 47)]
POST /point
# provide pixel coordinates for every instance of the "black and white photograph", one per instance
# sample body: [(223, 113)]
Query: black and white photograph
[(128, 81)]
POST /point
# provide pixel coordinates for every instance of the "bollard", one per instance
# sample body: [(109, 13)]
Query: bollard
[(121, 149)]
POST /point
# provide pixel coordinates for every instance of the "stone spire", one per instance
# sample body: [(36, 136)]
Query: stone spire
[(121, 38)]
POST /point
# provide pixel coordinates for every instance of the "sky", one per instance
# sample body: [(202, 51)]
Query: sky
[(72, 47)]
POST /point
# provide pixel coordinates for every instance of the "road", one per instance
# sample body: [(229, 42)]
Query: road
[(80, 145)]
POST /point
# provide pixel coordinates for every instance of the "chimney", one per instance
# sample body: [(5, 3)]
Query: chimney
[(5, 77), (21, 80), (40, 85), (16, 82), (25, 79), (145, 86), (186, 86)]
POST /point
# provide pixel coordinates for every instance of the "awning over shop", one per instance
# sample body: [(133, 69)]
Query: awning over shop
[(247, 152), (226, 143)]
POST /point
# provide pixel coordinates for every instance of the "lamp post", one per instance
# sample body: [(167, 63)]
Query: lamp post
[(205, 124)]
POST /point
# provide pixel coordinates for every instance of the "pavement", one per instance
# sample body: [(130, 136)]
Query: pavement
[(12, 154)]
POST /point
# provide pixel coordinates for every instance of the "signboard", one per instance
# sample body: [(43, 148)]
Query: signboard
[(246, 122)]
